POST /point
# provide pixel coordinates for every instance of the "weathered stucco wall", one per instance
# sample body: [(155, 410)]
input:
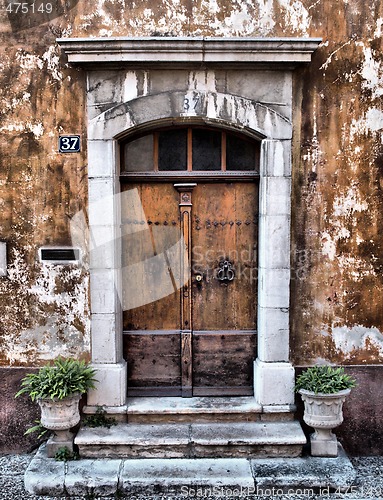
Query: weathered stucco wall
[(337, 158), (43, 308), (338, 191)]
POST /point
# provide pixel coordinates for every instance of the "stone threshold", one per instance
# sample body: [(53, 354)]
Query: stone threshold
[(194, 405), (227, 477)]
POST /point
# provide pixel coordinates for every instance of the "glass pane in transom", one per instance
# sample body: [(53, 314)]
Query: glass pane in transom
[(172, 150), (241, 154), (138, 155), (206, 149)]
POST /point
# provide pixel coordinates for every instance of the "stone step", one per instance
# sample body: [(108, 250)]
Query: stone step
[(192, 440), (196, 410), (189, 478)]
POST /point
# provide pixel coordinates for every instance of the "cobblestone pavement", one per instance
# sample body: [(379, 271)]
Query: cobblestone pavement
[(368, 484)]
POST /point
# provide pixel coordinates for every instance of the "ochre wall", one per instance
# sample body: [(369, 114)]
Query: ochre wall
[(337, 244), (336, 251)]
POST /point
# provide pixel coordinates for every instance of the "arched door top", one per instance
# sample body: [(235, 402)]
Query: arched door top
[(213, 108)]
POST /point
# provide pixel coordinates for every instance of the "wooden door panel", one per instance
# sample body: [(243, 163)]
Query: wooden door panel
[(223, 363), (153, 360), (150, 240), (225, 226)]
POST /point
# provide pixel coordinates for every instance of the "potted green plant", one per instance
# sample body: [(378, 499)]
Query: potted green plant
[(324, 390), (57, 388)]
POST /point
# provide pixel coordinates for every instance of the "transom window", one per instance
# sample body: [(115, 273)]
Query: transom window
[(190, 149)]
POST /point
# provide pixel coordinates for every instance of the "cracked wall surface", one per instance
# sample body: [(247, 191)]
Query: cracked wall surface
[(337, 243)]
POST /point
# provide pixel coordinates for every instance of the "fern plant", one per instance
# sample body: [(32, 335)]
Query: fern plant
[(324, 380), (39, 428), (58, 381)]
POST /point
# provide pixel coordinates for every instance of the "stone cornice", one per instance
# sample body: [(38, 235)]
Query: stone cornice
[(193, 51)]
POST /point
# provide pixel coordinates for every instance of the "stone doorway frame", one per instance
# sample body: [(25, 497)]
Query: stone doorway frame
[(274, 374)]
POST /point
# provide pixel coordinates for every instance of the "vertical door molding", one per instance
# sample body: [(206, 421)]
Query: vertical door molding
[(185, 206)]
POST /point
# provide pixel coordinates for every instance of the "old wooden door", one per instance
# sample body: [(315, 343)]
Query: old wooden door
[(189, 282)]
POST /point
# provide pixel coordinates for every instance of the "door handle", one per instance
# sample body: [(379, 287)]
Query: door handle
[(225, 272)]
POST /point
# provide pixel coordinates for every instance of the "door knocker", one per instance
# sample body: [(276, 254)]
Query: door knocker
[(225, 272)]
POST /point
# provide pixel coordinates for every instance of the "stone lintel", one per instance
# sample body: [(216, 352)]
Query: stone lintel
[(154, 51)]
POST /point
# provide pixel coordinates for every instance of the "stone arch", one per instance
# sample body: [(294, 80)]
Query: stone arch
[(212, 107)]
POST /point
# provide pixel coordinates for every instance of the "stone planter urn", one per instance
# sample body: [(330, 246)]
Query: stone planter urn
[(60, 416), (323, 412)]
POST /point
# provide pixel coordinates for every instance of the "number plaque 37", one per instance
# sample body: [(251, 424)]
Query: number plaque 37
[(69, 144)]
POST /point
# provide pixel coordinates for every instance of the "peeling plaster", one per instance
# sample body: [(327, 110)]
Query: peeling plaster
[(344, 207), (216, 17), (348, 203), (169, 18), (239, 21), (28, 61), (371, 71), (314, 154), (261, 17), (356, 268), (211, 6), (329, 59), (52, 61), (328, 245), (36, 128), (266, 21), (130, 90), (297, 16), (357, 338), (379, 24), (59, 334), (203, 81), (371, 122)]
